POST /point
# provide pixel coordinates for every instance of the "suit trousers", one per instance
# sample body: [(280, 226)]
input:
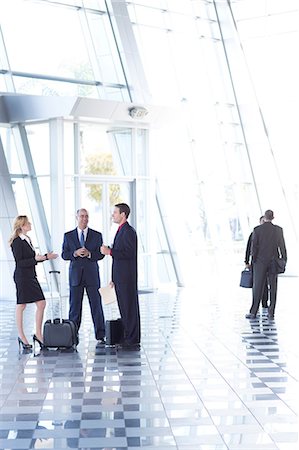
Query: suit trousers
[(265, 294), (260, 273), (127, 299), (95, 303)]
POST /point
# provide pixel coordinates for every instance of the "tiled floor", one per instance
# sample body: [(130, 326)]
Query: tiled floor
[(205, 379)]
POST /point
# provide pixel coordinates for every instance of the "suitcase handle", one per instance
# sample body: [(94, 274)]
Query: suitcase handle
[(59, 295)]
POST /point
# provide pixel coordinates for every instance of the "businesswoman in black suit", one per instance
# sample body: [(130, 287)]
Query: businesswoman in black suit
[(27, 285)]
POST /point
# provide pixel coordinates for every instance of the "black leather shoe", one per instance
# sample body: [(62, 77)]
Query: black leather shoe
[(127, 346), (250, 316), (270, 317)]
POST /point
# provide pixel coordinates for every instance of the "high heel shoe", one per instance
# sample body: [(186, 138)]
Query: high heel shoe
[(22, 344), (35, 339)]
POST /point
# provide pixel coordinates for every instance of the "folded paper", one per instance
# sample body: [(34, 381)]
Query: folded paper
[(108, 294)]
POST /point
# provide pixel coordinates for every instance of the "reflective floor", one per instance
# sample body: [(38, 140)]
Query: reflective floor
[(205, 378)]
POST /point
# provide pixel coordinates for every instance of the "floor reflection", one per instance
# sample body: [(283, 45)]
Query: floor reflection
[(205, 379)]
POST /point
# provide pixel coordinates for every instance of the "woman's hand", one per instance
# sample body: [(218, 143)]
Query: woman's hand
[(40, 258), (51, 255)]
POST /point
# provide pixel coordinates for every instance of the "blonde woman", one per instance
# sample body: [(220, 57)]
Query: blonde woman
[(27, 285)]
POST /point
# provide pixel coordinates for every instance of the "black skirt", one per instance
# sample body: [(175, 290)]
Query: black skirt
[(28, 290)]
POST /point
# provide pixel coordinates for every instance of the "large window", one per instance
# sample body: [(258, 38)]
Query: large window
[(230, 151), (60, 48)]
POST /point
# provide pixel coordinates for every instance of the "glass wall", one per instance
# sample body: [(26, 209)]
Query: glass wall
[(269, 33), (227, 74), (227, 157)]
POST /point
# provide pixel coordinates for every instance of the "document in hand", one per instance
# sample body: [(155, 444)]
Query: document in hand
[(108, 294)]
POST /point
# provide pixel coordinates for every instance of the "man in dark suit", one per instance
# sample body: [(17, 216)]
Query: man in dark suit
[(267, 244), (124, 274), (248, 265), (81, 247)]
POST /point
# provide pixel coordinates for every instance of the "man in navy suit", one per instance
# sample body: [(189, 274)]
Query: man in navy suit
[(267, 244), (81, 247), (124, 274)]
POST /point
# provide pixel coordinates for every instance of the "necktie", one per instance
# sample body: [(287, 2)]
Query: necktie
[(82, 238)]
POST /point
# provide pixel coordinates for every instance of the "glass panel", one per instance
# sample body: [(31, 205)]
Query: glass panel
[(2, 83), (69, 204), (23, 207), (147, 16), (144, 231), (94, 4), (38, 49), (106, 51), (99, 157), (27, 85), (142, 153), (63, 54), (39, 143), (92, 200), (122, 151), (270, 41), (38, 139), (69, 148), (10, 151), (182, 22), (155, 4)]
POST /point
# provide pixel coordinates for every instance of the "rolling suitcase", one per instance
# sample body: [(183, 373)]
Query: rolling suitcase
[(114, 332), (58, 332)]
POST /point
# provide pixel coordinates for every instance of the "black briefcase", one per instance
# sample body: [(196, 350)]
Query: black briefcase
[(246, 278), (58, 332), (114, 332)]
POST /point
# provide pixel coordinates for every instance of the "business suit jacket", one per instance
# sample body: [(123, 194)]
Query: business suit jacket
[(124, 254), (24, 257), (80, 268), (124, 276), (267, 244), (27, 285)]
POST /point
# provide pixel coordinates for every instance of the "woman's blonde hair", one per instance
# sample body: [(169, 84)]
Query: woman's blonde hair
[(19, 222)]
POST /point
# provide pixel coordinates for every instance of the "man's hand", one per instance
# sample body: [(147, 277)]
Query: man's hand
[(81, 252), (105, 250)]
